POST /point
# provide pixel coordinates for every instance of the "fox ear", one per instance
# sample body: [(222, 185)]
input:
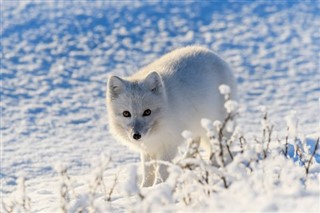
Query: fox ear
[(115, 86), (153, 82)]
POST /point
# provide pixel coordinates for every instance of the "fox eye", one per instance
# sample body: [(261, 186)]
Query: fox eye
[(126, 114), (147, 112)]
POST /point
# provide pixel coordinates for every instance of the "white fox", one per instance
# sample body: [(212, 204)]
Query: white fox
[(149, 110)]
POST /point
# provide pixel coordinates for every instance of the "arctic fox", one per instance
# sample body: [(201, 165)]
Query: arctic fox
[(149, 110)]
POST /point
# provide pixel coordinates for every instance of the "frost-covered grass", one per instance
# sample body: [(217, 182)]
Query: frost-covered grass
[(264, 173), (261, 176)]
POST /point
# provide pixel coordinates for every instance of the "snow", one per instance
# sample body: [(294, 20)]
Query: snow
[(224, 89), (206, 124), (292, 122), (56, 56), (231, 106), (217, 124), (187, 134)]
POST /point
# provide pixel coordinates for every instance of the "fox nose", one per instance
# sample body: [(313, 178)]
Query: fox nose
[(136, 136)]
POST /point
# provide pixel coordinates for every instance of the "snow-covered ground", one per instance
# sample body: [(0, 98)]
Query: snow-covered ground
[(56, 56)]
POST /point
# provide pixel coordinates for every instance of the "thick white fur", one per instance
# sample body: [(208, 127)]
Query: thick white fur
[(187, 82)]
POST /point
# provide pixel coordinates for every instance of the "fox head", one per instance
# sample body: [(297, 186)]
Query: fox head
[(135, 106)]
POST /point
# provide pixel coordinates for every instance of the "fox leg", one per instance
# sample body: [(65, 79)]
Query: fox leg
[(149, 171)]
